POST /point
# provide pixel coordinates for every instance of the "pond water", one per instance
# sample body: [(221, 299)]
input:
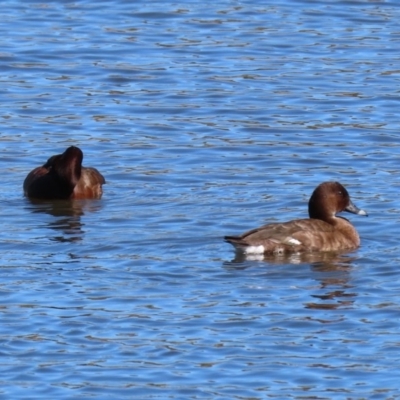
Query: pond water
[(206, 119)]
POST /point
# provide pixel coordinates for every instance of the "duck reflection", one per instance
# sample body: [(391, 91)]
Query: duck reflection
[(331, 270), (67, 213), (335, 289), (318, 258)]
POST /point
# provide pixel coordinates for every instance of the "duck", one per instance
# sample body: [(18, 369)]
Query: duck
[(323, 231), (63, 177)]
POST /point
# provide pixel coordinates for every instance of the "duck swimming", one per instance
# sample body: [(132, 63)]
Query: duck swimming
[(323, 231), (64, 177)]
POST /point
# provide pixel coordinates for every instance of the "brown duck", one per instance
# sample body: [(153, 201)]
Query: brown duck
[(64, 177), (323, 231)]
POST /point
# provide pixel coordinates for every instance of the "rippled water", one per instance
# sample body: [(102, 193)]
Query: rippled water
[(206, 119)]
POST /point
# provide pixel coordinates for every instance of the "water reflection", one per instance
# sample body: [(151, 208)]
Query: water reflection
[(334, 277), (325, 259), (67, 222), (332, 271)]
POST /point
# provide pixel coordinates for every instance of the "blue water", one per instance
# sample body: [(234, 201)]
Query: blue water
[(206, 119)]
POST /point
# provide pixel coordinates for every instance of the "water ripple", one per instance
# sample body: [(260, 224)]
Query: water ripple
[(206, 119)]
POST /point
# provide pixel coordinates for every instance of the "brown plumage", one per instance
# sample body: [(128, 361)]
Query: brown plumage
[(64, 177), (323, 231)]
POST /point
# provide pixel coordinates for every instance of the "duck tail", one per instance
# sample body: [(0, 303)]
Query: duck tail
[(236, 241)]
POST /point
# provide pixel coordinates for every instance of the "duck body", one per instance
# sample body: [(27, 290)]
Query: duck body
[(323, 231), (64, 177)]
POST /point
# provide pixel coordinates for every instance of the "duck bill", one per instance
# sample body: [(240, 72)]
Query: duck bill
[(355, 210)]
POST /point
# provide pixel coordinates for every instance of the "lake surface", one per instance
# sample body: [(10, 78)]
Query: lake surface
[(207, 119)]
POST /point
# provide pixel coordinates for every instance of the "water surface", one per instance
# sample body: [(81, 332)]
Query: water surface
[(206, 119)]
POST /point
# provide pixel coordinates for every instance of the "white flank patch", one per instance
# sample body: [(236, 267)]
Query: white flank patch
[(254, 249), (293, 241), (254, 257)]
